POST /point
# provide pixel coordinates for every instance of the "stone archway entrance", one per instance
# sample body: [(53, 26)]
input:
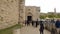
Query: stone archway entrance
[(29, 18)]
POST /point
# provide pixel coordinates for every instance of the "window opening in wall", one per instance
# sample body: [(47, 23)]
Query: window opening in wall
[(39, 10), (21, 10), (11, 0), (29, 9), (2, 10), (7, 0), (1, 18)]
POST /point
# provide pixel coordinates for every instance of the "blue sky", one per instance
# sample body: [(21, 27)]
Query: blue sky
[(45, 5)]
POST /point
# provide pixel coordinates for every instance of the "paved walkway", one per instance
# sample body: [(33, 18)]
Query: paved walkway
[(32, 30)]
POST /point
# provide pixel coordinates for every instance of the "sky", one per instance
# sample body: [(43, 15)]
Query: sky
[(45, 5)]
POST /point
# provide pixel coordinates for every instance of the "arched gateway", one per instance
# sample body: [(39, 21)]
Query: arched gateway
[(31, 13)]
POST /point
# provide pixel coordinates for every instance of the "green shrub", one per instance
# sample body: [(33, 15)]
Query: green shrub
[(9, 30)]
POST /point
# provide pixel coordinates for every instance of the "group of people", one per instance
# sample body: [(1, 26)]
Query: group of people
[(57, 26), (36, 23), (55, 30)]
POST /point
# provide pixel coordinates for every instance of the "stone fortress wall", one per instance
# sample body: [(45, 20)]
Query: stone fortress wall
[(14, 11), (8, 13), (32, 11)]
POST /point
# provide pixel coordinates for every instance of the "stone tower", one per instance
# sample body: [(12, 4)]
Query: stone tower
[(21, 11), (11, 11), (54, 10)]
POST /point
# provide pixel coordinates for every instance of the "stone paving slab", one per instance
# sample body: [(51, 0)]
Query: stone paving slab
[(32, 30)]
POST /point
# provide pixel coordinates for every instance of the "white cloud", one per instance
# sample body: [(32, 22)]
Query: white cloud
[(46, 5)]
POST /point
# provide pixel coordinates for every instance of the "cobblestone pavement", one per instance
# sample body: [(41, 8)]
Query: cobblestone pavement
[(32, 30)]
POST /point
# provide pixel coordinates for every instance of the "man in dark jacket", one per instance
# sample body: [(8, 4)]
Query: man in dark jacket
[(57, 24), (36, 23), (32, 23), (41, 27)]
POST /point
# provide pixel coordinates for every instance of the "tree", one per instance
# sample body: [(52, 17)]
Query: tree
[(42, 16), (51, 16)]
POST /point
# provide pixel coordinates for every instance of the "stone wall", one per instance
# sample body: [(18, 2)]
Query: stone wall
[(32, 11), (22, 11), (8, 13)]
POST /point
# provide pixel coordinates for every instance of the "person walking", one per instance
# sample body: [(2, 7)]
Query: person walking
[(36, 23), (32, 23), (52, 21), (57, 24), (41, 28), (27, 22)]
